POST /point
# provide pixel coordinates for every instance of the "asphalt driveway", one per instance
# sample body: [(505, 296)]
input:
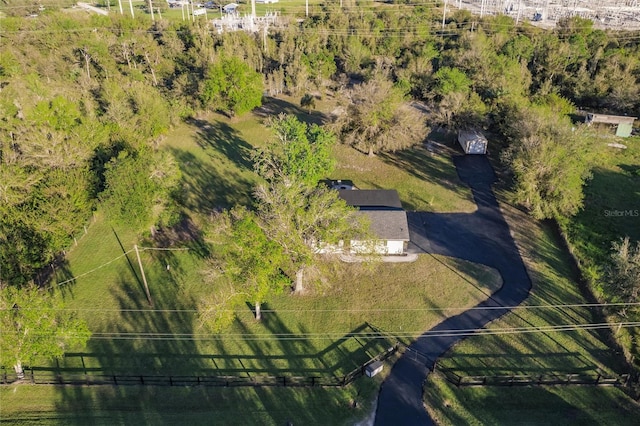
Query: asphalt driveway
[(481, 237)]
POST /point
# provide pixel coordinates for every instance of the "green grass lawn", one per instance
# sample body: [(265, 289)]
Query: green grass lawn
[(135, 405), (577, 351), (611, 206), (561, 406), (611, 212), (611, 196), (311, 335), (323, 326)]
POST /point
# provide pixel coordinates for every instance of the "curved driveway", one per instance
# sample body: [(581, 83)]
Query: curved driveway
[(482, 237)]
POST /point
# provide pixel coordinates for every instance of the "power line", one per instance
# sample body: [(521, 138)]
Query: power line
[(94, 269), (431, 29), (369, 310), (117, 258), (418, 334)]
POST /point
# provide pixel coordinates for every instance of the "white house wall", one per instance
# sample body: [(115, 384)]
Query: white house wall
[(378, 247)]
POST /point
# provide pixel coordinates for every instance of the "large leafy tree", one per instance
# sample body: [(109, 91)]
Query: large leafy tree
[(232, 86), (299, 154), (377, 118), (294, 210), (550, 161), (303, 220), (623, 273), (140, 188), (250, 265), (36, 325)]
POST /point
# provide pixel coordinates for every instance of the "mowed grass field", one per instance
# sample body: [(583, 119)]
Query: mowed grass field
[(311, 335)]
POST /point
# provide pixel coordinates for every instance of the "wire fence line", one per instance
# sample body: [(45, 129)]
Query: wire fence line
[(81, 377), (549, 378), (595, 378)]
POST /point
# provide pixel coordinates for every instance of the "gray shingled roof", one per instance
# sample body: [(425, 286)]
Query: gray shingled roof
[(384, 209), (388, 224), (368, 199)]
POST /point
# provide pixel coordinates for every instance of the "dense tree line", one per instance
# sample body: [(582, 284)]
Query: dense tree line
[(86, 99)]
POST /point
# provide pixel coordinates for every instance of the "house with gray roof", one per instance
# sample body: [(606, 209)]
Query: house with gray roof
[(387, 217)]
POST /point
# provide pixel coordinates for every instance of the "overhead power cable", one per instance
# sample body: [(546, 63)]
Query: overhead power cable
[(417, 334), (94, 269), (357, 310)]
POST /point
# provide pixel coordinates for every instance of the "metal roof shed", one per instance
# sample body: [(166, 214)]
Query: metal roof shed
[(624, 124), (472, 142)]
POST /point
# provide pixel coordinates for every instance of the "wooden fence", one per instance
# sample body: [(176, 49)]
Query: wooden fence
[(48, 377), (53, 376), (595, 378)]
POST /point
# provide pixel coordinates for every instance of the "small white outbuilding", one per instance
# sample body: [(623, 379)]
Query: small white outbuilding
[(472, 142)]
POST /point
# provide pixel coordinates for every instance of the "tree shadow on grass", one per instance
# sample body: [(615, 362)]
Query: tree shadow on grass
[(220, 139), (506, 405), (204, 405), (272, 107), (183, 235), (428, 166), (58, 274), (611, 211), (146, 341), (207, 190), (136, 404)]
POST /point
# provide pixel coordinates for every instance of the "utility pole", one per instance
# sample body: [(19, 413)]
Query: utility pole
[(131, 7), (264, 38), (307, 7), (546, 11), (144, 278), (153, 18), (120, 4), (444, 13)]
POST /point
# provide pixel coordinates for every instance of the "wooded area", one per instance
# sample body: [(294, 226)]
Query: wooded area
[(86, 100)]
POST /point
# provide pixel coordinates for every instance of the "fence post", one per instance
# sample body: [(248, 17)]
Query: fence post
[(33, 378), (170, 381), (115, 381), (459, 381), (142, 380)]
